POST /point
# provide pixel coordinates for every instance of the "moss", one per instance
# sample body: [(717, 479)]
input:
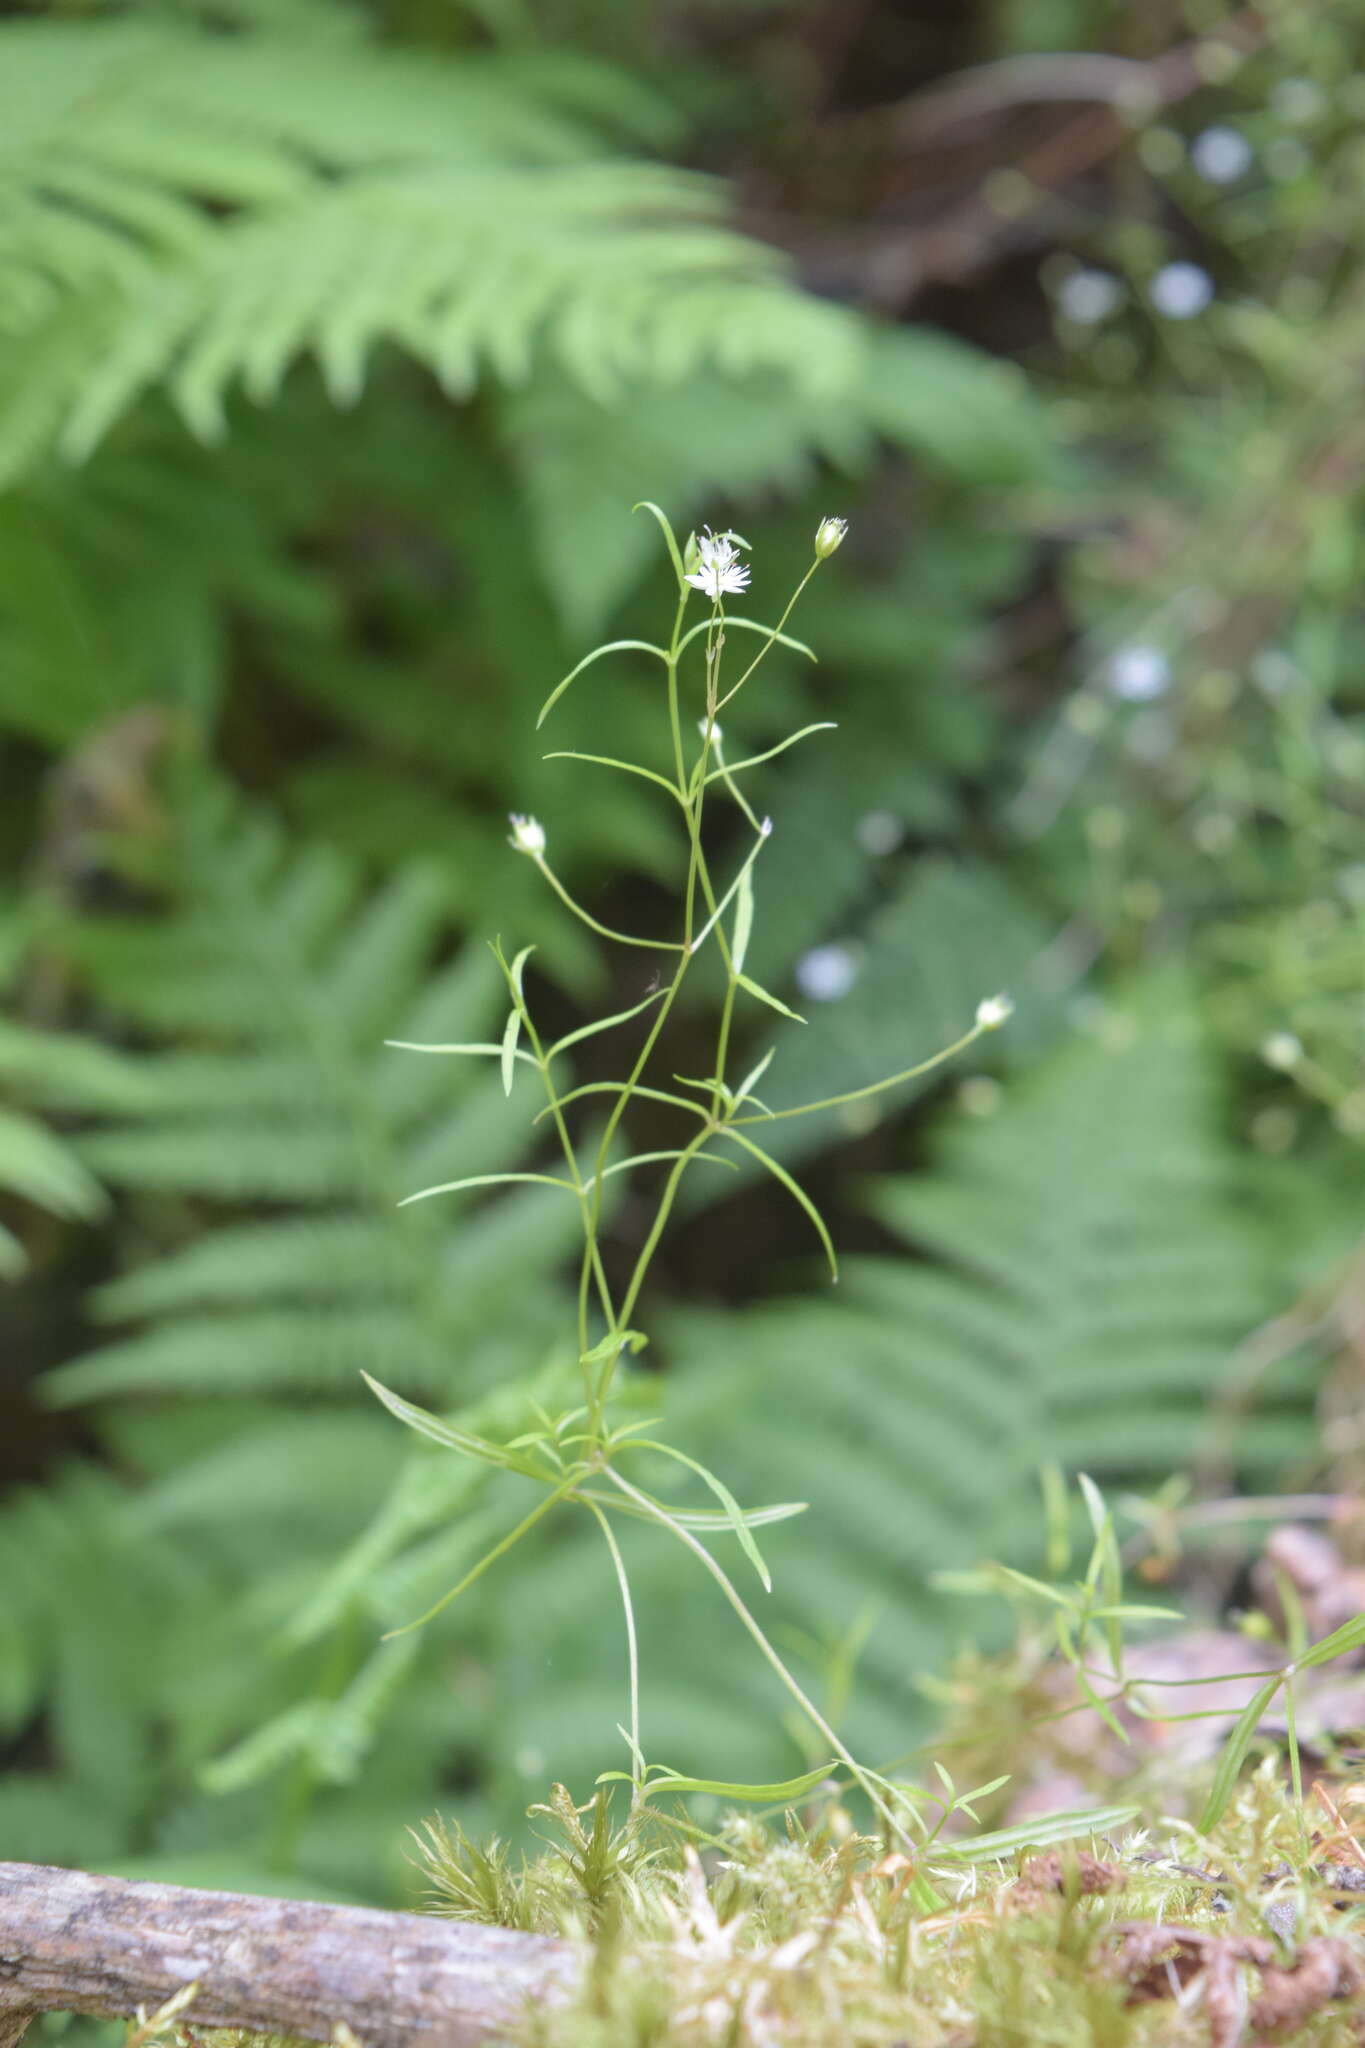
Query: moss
[(808, 1934)]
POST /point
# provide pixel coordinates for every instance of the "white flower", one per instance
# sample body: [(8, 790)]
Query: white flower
[(719, 568), (528, 836), (829, 536), (709, 730), (992, 1012)]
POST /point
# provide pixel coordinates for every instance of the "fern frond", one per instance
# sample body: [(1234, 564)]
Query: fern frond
[(53, 1071), (235, 204), (281, 977)]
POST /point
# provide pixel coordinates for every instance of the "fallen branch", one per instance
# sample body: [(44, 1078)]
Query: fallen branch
[(70, 1942)]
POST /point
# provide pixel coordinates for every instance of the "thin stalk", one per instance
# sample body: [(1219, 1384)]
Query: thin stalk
[(771, 641), (632, 1647), (651, 1243), (727, 1012), (586, 1207), (674, 718), (491, 1557), (807, 1705), (937, 1059), (594, 924), (692, 805)]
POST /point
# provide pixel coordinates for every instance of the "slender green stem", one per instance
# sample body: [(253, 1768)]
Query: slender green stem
[(594, 924), (491, 1557), (585, 1201), (727, 1011), (728, 781), (628, 1087), (674, 716), (632, 1647), (938, 1059), (661, 1215), (692, 799), (807, 1705), (771, 641), (1292, 1741)]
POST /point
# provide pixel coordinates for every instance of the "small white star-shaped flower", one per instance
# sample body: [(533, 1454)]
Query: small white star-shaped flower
[(719, 568), (528, 835)]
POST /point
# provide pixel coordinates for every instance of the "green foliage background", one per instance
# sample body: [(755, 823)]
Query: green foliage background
[(335, 344)]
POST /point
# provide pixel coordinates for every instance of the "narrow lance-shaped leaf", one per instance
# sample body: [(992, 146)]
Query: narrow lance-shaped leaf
[(610, 761), (733, 1512), (744, 919), (512, 1032), (613, 1343), (754, 760), (653, 1159), (611, 647), (602, 1024), (447, 1434), (751, 626), (486, 1180), (755, 1075), (614, 1088), (793, 1188), (489, 1050), (1031, 1585), (1070, 1650), (1350, 1636), (764, 835), (1005, 1843), (1235, 1753), (763, 995), (775, 1794), (711, 1520), (1106, 1567), (665, 527)]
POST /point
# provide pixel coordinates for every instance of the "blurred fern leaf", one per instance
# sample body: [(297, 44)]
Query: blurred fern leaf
[(281, 978), (197, 211)]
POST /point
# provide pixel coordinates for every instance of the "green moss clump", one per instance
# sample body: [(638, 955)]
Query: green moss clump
[(813, 1934)]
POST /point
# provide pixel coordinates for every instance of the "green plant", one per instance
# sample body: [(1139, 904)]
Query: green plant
[(576, 1456), (334, 583)]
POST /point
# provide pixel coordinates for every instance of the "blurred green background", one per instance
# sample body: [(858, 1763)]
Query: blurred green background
[(336, 342)]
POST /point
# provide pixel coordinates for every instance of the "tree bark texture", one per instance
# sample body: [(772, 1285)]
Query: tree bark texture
[(71, 1942)]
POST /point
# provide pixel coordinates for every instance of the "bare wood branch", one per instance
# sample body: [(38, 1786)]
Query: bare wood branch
[(71, 1942)]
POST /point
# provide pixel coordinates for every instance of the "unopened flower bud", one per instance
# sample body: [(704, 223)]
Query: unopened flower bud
[(829, 536), (710, 730), (993, 1012), (528, 835)]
